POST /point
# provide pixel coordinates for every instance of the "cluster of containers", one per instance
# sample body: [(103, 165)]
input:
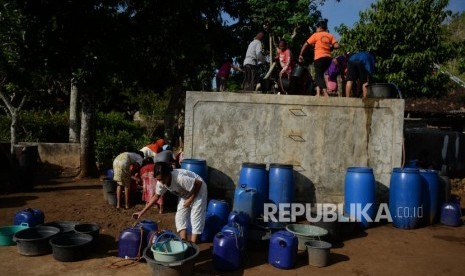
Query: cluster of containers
[(67, 240), (417, 197)]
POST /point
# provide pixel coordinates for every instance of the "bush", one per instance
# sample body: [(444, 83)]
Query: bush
[(37, 126), (114, 135)]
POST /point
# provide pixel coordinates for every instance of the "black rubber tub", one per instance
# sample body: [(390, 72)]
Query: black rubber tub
[(34, 241), (182, 267), (71, 247), (65, 226), (383, 91), (92, 229)]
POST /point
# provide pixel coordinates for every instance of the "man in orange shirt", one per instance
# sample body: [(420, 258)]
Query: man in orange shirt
[(324, 43)]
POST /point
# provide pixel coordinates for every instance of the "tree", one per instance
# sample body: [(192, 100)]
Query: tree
[(455, 27), (407, 39), (21, 59)]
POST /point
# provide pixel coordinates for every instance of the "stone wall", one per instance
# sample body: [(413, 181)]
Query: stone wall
[(321, 137)]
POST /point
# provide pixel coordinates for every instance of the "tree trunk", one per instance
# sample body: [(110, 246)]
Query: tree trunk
[(88, 166), (14, 116), (73, 114)]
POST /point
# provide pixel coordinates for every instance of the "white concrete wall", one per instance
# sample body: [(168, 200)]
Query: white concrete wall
[(320, 136)]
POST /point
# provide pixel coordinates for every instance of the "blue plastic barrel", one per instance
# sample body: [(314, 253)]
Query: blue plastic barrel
[(405, 198), (283, 250), (255, 176), (210, 228), (199, 166), (360, 194), (227, 253), (245, 200), (131, 242), (430, 196), (219, 208), (281, 183)]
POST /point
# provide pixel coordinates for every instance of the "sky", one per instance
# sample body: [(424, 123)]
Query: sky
[(347, 11)]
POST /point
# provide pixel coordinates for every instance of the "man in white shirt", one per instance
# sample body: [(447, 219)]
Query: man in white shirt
[(253, 57), (192, 192)]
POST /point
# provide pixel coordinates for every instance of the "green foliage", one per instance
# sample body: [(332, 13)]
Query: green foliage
[(291, 20), (455, 29), (114, 135), (152, 108), (406, 39), (37, 126)]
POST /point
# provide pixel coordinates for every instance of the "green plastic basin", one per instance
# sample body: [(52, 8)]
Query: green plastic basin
[(7, 233)]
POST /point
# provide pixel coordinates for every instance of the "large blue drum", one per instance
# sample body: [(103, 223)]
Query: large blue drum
[(405, 198), (199, 166), (281, 183), (430, 196), (360, 194), (255, 176)]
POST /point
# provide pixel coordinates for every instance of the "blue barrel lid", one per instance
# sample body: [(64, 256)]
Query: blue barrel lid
[(254, 165), (360, 169), (194, 160), (279, 165), (406, 170)]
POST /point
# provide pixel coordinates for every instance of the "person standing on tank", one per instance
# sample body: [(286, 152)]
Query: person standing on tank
[(324, 43)]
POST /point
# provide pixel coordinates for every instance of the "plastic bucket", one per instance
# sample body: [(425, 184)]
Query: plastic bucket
[(199, 166), (109, 186), (305, 233), (111, 198), (318, 253), (183, 267), (359, 192)]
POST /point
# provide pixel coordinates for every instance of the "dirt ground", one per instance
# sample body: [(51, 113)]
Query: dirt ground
[(381, 250)]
